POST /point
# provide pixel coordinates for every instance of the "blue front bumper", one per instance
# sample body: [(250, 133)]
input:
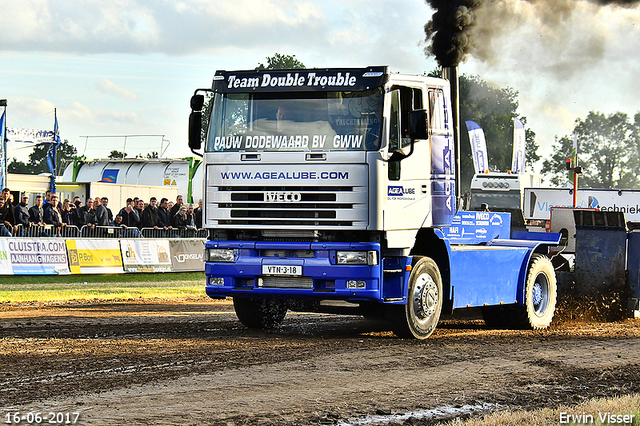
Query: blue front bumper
[(318, 277)]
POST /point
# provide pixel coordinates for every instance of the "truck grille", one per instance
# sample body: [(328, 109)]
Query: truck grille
[(307, 207), (287, 282)]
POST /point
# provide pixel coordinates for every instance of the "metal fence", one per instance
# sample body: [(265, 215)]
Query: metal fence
[(72, 231)]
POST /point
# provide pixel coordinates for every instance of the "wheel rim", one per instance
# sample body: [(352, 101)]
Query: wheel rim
[(540, 295), (425, 298)]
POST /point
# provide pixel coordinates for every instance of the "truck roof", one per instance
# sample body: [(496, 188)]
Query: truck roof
[(316, 79)]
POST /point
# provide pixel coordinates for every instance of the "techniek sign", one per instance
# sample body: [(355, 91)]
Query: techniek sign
[(538, 202)]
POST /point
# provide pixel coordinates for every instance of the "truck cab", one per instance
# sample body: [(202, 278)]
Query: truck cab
[(328, 155)]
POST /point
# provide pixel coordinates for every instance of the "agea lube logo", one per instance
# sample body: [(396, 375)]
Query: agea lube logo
[(400, 192)]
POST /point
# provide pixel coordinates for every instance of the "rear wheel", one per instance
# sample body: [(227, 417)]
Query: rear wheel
[(540, 296), (419, 317), (260, 313)]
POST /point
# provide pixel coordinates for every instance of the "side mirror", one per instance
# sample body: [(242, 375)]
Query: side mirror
[(418, 124), (197, 101), (195, 130), (397, 156)]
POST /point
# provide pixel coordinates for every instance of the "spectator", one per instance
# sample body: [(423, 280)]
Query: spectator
[(126, 231), (96, 205), (176, 207), (198, 215), (139, 207), (4, 232), (76, 202), (69, 215), (170, 206), (6, 210), (191, 224), (129, 216), (52, 214), (105, 203), (47, 202), (150, 216), (179, 221), (47, 199), (128, 202), (22, 213), (87, 215), (163, 212), (36, 213), (103, 214)]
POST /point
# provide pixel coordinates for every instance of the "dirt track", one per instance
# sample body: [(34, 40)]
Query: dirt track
[(192, 363)]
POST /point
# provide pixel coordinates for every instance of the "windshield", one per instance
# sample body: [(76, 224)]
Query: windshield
[(302, 121), (503, 199)]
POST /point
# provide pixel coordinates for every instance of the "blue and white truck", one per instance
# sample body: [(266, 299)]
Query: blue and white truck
[(334, 190)]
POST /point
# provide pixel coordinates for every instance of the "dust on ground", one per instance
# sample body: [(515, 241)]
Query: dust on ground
[(191, 362)]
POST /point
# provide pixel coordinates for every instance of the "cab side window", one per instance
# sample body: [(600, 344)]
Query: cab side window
[(403, 101), (437, 107)]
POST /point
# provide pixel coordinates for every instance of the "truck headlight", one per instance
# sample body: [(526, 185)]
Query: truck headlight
[(216, 281), (219, 255), (357, 257)]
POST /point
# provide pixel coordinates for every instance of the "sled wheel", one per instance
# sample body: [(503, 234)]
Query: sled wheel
[(419, 317), (260, 313), (540, 296)]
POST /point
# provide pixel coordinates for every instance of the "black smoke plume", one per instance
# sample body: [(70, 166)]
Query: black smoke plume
[(455, 31), (449, 30)]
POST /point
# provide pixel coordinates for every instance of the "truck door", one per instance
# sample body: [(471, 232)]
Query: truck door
[(407, 196)]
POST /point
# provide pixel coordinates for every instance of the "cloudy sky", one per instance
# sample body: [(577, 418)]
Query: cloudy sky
[(129, 67)]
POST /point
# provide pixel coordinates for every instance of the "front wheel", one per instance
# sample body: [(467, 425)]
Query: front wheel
[(419, 317), (540, 296), (260, 313)]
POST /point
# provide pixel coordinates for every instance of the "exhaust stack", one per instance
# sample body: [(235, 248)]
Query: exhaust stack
[(451, 74)]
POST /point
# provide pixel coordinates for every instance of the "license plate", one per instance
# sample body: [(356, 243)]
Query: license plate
[(284, 270)]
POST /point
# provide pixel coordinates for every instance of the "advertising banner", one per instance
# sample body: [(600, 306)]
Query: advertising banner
[(94, 256), (30, 135), (538, 201), (5, 261), (478, 147), (519, 142), (146, 255), (187, 254), (38, 257)]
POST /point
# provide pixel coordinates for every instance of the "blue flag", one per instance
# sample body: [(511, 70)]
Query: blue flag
[(51, 154), (3, 150)]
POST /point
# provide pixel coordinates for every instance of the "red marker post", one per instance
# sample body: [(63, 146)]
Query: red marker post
[(576, 171)]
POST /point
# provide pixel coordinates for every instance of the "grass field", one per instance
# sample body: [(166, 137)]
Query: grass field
[(600, 411), (52, 289)]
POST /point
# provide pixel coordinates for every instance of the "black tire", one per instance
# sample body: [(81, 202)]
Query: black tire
[(419, 317), (540, 296), (260, 313)]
